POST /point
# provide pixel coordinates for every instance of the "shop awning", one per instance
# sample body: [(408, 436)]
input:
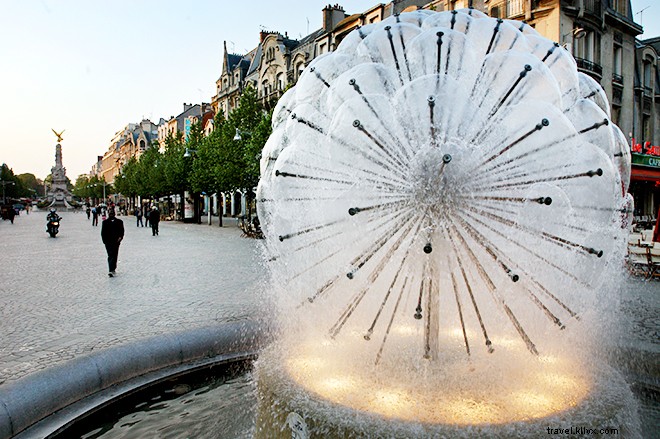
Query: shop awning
[(644, 173)]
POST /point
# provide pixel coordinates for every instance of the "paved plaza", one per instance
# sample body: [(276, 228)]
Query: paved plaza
[(57, 301)]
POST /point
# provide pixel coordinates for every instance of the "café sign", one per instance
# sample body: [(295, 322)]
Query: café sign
[(645, 160)]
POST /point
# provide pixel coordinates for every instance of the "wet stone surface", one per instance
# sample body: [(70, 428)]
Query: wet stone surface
[(57, 301)]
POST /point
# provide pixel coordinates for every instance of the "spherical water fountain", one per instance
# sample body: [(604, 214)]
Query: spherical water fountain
[(442, 197)]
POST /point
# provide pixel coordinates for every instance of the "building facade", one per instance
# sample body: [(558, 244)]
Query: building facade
[(645, 143), (131, 141)]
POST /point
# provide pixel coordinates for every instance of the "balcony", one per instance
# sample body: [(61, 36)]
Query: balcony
[(617, 79), (507, 9), (591, 68)]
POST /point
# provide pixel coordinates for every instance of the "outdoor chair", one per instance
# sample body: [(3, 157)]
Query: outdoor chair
[(638, 260), (654, 261), (634, 238)]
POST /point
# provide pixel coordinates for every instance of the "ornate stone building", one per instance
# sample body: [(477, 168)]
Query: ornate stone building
[(129, 142)]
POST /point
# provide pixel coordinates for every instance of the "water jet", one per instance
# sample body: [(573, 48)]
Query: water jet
[(441, 197)]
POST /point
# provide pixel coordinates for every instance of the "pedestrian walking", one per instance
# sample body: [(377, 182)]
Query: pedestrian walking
[(88, 210), (147, 211), (154, 219), (112, 233), (12, 214), (138, 215), (95, 216)]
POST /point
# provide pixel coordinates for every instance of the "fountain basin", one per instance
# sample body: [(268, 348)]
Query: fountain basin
[(297, 392)]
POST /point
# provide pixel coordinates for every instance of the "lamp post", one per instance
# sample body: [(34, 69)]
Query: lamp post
[(103, 189), (5, 183), (578, 33), (190, 153), (239, 134), (238, 137)]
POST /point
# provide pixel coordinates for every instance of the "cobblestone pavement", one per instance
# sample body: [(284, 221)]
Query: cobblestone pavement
[(57, 301)]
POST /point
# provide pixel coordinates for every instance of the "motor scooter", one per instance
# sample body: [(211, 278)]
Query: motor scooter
[(53, 225)]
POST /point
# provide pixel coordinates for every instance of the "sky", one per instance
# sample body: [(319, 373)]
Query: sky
[(90, 67)]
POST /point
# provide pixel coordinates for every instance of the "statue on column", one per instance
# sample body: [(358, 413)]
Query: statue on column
[(58, 193)]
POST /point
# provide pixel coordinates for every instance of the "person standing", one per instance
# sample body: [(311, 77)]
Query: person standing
[(95, 216), (154, 219), (112, 233), (146, 212), (138, 215), (12, 213)]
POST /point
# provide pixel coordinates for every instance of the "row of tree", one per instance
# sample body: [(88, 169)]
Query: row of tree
[(212, 164), (91, 187), (19, 186)]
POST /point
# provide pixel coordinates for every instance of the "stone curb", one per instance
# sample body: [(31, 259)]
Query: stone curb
[(28, 400)]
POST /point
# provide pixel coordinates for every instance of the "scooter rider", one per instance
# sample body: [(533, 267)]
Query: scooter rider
[(53, 216)]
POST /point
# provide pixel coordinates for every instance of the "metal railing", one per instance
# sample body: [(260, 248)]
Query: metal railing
[(616, 78), (589, 66)]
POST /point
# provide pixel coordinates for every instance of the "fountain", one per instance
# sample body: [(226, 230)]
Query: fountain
[(445, 203)]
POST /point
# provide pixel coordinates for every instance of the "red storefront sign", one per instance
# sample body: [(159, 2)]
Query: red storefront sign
[(647, 148)]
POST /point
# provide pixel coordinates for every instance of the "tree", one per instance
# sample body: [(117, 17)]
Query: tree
[(33, 186), (15, 190), (239, 169), (174, 168)]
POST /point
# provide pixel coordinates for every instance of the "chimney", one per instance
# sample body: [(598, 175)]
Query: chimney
[(332, 15), (262, 36), (186, 107)]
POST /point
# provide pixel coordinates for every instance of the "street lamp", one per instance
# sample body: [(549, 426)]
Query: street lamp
[(5, 183), (103, 189), (239, 133), (577, 32), (188, 154)]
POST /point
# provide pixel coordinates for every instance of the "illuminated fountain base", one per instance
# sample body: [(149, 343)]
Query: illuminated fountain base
[(313, 392)]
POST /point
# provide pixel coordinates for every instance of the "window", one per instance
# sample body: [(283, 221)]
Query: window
[(588, 47), (648, 71), (616, 114), (299, 69), (322, 49), (620, 6), (646, 126), (280, 81), (618, 58), (264, 87)]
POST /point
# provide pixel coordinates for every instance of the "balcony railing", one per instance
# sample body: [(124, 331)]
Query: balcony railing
[(589, 67), (507, 8), (617, 79)]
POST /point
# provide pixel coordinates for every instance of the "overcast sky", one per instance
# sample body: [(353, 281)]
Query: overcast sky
[(90, 67)]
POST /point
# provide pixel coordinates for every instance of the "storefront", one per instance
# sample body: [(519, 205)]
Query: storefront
[(645, 184)]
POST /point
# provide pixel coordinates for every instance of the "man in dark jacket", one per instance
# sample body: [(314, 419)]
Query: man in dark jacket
[(112, 232), (154, 219)]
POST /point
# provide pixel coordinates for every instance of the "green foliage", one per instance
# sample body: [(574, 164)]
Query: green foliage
[(34, 186), (176, 167), (15, 190), (218, 163), (238, 165), (90, 187)]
